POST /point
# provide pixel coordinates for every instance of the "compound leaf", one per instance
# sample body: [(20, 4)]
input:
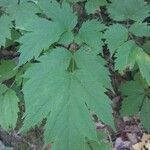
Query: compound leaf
[(44, 32), (65, 97), (8, 108), (121, 10)]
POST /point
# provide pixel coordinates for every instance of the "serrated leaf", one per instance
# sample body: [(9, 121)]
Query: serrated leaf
[(121, 10), (62, 14), (22, 13), (91, 35), (137, 100), (125, 56), (140, 29), (115, 36), (143, 61), (128, 54), (135, 94), (92, 5), (7, 70), (8, 108), (5, 29), (65, 97), (43, 34)]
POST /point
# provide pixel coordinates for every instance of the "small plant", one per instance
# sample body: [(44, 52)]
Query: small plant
[(66, 65)]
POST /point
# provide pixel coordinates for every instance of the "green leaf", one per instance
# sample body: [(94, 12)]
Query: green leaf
[(14, 36), (7, 70), (91, 35), (146, 47), (121, 10), (3, 88), (92, 5), (145, 113), (115, 36), (137, 100), (5, 29), (63, 14), (6, 3), (43, 34), (143, 61), (22, 13), (102, 144), (129, 54), (8, 108), (72, 1), (135, 94), (65, 97), (140, 29), (66, 38), (140, 80), (125, 56)]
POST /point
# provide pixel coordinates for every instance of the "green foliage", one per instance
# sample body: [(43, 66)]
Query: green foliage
[(121, 10), (8, 108), (130, 54), (146, 47), (61, 68), (92, 5), (102, 144), (37, 40), (140, 29), (137, 101), (4, 29), (90, 34), (63, 96), (115, 36), (6, 70)]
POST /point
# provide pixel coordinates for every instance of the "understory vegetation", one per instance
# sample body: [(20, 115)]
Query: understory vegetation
[(74, 74)]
